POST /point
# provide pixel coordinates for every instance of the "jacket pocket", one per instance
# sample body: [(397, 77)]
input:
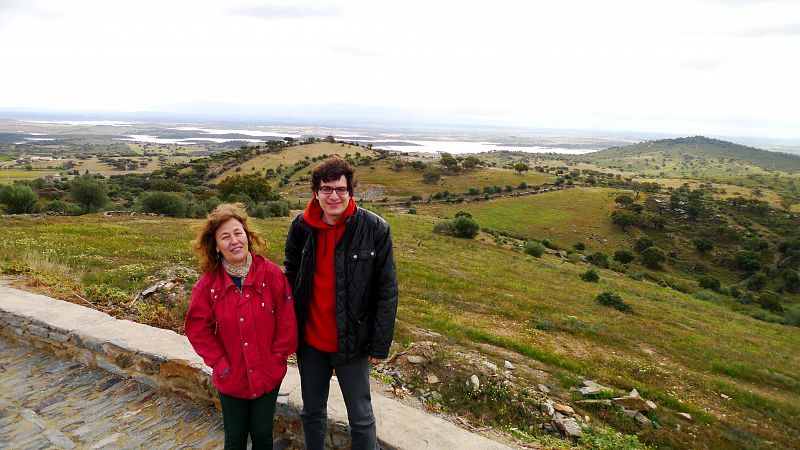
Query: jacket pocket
[(361, 261)]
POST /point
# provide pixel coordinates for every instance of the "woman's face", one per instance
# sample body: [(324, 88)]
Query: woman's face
[(232, 241)]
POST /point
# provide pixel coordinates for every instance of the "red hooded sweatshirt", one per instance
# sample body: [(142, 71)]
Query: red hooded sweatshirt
[(321, 330)]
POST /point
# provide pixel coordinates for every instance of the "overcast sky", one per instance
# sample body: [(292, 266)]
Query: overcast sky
[(714, 67)]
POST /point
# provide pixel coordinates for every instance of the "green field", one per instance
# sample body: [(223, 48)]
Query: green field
[(9, 176), (564, 217), (677, 350)]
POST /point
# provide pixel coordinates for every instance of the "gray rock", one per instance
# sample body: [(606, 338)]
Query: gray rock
[(544, 389), (475, 382), (415, 359), (432, 379), (508, 366), (635, 403), (568, 426), (642, 419), (686, 416)]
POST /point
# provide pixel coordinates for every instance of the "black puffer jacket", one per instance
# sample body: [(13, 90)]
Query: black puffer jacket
[(366, 282)]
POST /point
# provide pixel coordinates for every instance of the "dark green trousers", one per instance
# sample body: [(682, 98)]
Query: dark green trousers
[(242, 417)]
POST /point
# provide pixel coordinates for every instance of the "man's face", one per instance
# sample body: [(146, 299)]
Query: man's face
[(333, 204)]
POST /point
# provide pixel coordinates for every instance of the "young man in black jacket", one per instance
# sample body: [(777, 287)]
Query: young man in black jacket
[(340, 263)]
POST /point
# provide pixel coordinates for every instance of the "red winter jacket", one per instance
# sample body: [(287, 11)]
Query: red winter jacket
[(251, 332)]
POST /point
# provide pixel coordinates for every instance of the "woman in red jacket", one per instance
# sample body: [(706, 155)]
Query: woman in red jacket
[(241, 322)]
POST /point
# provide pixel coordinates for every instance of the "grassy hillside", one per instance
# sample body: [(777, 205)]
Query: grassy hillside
[(380, 176), (677, 350), (696, 155), (288, 158), (563, 217)]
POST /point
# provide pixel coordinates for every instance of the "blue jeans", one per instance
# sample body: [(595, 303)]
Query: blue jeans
[(316, 368)]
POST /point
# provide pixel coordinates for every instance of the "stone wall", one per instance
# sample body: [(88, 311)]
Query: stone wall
[(165, 360)]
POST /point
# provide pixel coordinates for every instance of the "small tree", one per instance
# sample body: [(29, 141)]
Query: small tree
[(653, 257), (431, 177), (253, 185), (624, 219), (449, 162), (703, 245), (642, 244), (88, 192), (470, 162), (623, 256), (791, 281), (521, 167), (757, 282), (770, 302), (624, 200)]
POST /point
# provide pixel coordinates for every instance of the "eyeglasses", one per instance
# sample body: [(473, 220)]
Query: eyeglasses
[(341, 190)]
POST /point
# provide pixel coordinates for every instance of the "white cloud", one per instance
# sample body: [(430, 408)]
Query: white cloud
[(582, 64)]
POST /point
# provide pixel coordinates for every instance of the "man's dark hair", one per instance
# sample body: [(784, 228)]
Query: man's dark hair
[(331, 170)]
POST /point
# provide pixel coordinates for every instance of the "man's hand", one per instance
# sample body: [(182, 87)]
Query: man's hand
[(375, 361)]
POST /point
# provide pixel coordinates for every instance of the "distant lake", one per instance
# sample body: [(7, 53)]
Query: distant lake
[(473, 147)]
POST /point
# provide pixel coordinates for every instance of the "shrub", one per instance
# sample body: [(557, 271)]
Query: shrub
[(791, 281), (278, 208), (709, 282), (747, 261), (642, 244), (523, 185), (431, 177), (707, 297), (18, 198), (416, 198), (63, 207), (623, 256), (792, 316), (580, 246), (473, 191), (549, 244), (770, 302), (594, 438), (613, 300), (590, 276), (599, 259), (167, 203), (653, 257), (445, 228), (637, 275), (757, 282), (703, 245), (412, 211), (373, 209), (465, 227), (534, 249)]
